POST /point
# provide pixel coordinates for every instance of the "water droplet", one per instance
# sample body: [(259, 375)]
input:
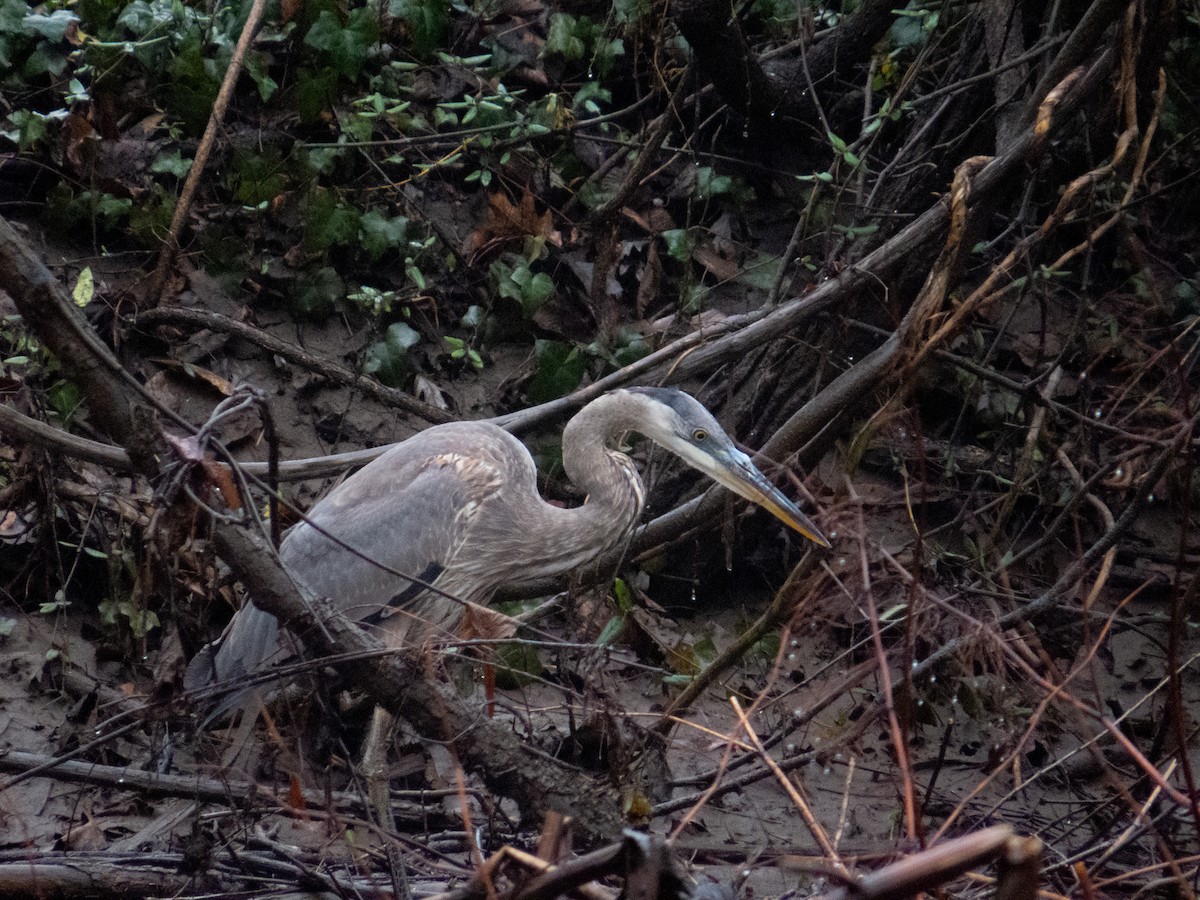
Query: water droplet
[(1150, 499), (1098, 413), (795, 643), (850, 358), (920, 703), (772, 114), (120, 781), (954, 699), (798, 712), (790, 749), (745, 873), (933, 679), (1083, 376), (1119, 472), (791, 657), (825, 771), (832, 535), (841, 561)]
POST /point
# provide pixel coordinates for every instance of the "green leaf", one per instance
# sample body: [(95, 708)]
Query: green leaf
[(381, 233), (679, 243), (257, 64), (559, 370), (428, 20), (257, 176), (65, 399), (520, 283), (194, 84), (590, 95), (631, 347), (624, 596), (388, 359), (474, 316), (402, 337), (517, 665), (562, 39), (316, 296), (760, 270), (85, 288), (29, 129), (345, 46), (107, 208), (316, 90), (171, 164), (611, 631), (709, 184), (52, 27), (329, 221), (535, 290)]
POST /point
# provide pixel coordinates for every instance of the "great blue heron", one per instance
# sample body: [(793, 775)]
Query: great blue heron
[(457, 507)]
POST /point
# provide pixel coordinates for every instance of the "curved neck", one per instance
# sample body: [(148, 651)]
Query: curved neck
[(614, 488)]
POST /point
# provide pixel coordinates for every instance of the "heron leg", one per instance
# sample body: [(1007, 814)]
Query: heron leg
[(375, 765)]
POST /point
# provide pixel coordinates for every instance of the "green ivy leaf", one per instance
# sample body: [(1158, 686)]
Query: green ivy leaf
[(679, 243), (52, 27), (428, 21), (559, 370), (329, 222), (381, 233), (388, 359), (517, 665), (315, 93), (345, 45), (561, 39), (316, 296), (194, 84)]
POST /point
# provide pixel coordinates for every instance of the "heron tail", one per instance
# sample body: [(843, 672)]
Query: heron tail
[(249, 645)]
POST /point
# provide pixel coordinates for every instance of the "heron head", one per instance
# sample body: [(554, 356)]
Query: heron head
[(676, 421)]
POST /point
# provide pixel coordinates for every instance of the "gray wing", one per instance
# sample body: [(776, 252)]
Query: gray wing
[(409, 511)]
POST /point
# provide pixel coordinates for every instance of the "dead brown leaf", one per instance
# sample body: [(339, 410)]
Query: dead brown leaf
[(506, 222)]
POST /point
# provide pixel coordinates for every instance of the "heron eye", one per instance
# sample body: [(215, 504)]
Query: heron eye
[(699, 435)]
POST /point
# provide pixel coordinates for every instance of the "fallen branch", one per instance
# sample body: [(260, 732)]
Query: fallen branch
[(335, 372)]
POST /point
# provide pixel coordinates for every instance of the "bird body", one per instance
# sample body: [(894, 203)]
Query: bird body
[(457, 507)]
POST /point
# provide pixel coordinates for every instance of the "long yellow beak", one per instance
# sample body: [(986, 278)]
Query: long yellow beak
[(734, 470)]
